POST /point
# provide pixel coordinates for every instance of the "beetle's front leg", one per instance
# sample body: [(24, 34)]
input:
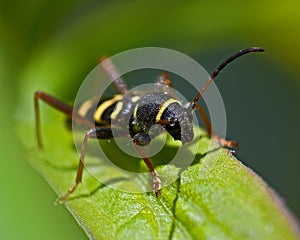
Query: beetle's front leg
[(95, 133), (207, 123), (142, 139)]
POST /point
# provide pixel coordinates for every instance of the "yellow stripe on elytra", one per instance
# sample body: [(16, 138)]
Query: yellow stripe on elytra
[(117, 110), (103, 106), (86, 106), (163, 107), (135, 99)]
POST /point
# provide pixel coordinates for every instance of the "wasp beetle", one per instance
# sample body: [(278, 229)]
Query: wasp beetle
[(145, 111)]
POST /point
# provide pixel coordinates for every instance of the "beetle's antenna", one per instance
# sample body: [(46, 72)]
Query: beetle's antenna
[(219, 68)]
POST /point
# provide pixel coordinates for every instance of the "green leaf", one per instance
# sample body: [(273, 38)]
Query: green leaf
[(40, 49), (217, 197)]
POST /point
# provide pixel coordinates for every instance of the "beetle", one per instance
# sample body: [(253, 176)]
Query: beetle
[(143, 110)]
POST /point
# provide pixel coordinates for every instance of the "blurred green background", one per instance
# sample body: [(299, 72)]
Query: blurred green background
[(52, 46)]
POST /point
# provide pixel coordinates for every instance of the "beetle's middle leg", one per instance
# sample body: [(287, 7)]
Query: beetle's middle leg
[(113, 74), (94, 133)]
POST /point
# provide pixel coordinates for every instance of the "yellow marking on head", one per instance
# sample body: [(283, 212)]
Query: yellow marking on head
[(86, 106), (117, 110), (103, 106), (163, 107)]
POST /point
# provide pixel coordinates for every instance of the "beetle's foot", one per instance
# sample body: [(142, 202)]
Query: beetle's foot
[(65, 197), (156, 186), (226, 143)]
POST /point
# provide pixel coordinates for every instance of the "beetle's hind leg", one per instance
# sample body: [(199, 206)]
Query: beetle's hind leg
[(57, 104), (207, 123)]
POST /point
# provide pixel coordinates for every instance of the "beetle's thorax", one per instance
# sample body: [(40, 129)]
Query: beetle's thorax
[(165, 110)]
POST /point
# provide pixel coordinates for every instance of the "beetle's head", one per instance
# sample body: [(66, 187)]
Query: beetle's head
[(179, 123)]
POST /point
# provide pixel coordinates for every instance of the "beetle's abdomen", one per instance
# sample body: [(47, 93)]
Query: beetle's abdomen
[(99, 111)]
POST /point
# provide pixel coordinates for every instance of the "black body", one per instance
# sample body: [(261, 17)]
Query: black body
[(139, 114)]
